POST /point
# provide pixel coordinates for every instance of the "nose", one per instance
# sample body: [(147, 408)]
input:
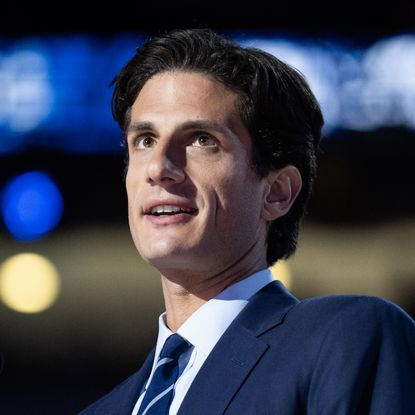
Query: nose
[(165, 166)]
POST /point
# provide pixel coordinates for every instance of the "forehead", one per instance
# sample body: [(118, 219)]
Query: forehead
[(185, 94)]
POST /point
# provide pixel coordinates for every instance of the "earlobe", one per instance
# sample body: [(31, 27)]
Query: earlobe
[(283, 187)]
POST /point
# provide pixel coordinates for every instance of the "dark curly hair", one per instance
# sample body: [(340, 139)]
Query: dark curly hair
[(275, 102)]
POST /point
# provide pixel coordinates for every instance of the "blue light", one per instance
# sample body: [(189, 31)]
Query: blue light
[(31, 205), (27, 94), (55, 94)]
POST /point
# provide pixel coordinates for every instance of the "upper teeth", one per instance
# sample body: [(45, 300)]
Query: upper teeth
[(170, 209)]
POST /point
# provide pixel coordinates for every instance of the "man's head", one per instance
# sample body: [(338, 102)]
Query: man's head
[(272, 101)]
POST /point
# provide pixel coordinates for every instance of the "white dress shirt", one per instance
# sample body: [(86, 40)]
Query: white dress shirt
[(203, 329)]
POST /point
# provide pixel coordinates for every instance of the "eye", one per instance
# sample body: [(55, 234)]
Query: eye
[(143, 142), (204, 140)]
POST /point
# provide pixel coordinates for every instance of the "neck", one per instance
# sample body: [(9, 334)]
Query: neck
[(185, 291)]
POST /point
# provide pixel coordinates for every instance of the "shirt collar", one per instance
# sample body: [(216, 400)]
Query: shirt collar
[(206, 325)]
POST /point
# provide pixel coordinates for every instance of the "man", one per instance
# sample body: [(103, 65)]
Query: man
[(222, 144)]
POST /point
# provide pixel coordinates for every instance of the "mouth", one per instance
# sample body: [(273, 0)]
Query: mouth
[(169, 210)]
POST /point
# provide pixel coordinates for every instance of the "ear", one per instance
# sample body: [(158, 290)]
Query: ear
[(282, 189)]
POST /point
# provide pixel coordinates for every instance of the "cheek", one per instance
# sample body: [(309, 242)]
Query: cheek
[(132, 193), (242, 199), (128, 182), (131, 207), (131, 184), (228, 194)]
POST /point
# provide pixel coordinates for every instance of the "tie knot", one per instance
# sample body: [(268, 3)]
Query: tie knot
[(174, 346)]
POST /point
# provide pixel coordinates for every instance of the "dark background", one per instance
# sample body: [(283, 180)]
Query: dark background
[(361, 21)]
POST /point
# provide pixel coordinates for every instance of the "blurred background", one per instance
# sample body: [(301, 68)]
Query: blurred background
[(78, 307)]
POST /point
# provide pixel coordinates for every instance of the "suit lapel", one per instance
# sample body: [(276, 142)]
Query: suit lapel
[(223, 372), (237, 352), (267, 308)]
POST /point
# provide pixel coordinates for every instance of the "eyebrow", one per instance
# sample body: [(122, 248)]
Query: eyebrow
[(205, 125), (188, 125), (140, 126)]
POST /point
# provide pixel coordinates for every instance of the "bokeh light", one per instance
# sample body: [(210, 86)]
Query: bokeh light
[(32, 205), (47, 98), (29, 283), (281, 271), (26, 93)]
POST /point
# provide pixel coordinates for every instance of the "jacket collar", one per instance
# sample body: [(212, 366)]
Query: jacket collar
[(266, 309), (237, 352)]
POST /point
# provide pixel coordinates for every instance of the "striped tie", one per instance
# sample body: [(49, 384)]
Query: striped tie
[(159, 393)]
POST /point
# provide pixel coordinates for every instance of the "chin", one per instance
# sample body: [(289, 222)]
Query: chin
[(172, 258), (168, 263), (162, 253)]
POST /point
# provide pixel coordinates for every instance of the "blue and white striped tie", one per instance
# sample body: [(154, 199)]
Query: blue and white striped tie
[(159, 393)]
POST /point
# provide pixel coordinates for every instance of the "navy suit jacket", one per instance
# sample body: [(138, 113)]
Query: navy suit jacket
[(333, 355)]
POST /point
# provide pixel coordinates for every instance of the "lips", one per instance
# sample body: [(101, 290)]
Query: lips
[(168, 207), (169, 214), (171, 210)]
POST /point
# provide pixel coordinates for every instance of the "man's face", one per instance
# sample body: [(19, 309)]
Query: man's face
[(194, 200)]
